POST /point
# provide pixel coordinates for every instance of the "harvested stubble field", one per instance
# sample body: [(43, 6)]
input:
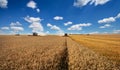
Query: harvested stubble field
[(104, 45), (49, 53)]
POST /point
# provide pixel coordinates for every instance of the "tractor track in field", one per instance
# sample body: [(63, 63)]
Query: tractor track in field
[(77, 57), (64, 58)]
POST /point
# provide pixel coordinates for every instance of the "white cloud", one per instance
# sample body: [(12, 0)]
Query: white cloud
[(116, 31), (31, 4), (36, 27), (105, 26), (58, 29), (38, 10), (13, 28), (75, 27), (80, 3), (32, 19), (49, 25), (96, 32), (3, 3), (53, 27), (118, 16), (35, 23), (68, 23), (107, 20), (79, 26), (16, 27), (58, 18), (85, 24), (99, 2), (16, 24), (5, 28), (42, 33)]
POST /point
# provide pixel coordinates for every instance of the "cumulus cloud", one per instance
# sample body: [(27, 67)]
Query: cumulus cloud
[(53, 27), (15, 24), (99, 2), (3, 3), (5, 28), (49, 25), (35, 25), (105, 26), (118, 16), (75, 27), (16, 27), (116, 31), (31, 4), (107, 20), (32, 19), (58, 29), (68, 23), (58, 18), (80, 3), (79, 26)]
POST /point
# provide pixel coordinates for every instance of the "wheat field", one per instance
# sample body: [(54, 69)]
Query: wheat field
[(51, 53), (105, 45), (31, 53)]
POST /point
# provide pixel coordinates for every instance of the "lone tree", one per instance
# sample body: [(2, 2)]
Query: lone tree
[(35, 34)]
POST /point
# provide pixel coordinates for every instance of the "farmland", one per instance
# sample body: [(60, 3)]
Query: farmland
[(54, 53), (105, 45), (31, 53)]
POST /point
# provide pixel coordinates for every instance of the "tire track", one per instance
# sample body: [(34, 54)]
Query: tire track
[(64, 57)]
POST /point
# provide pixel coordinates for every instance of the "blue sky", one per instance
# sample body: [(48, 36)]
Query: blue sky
[(59, 16)]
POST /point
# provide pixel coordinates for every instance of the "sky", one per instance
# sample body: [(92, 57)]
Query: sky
[(59, 17)]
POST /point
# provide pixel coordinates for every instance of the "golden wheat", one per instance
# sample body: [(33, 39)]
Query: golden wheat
[(31, 53), (83, 58), (55, 53), (105, 45)]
